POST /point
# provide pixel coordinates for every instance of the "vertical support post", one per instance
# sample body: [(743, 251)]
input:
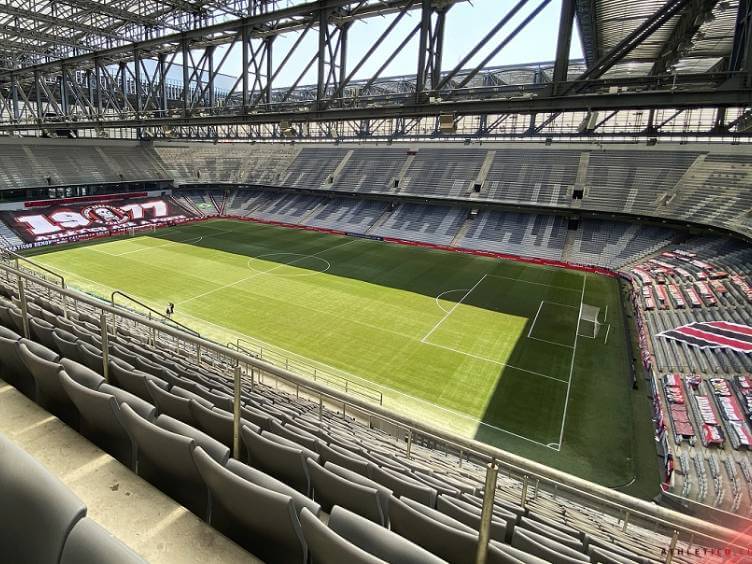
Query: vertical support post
[(672, 547), (98, 79), (64, 91), (210, 87), (245, 39), (198, 353), (236, 415), (523, 497), (425, 27), (38, 94), (461, 455), (489, 493), (269, 69), (321, 408), (123, 85), (105, 348), (24, 307), (162, 85), (409, 442), (90, 92), (626, 522), (321, 79), (137, 75), (186, 78), (564, 43)]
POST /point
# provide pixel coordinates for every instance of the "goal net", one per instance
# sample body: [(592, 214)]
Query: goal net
[(141, 230), (590, 326)]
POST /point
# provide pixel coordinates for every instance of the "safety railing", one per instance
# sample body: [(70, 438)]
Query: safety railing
[(20, 260), (528, 474), (317, 374)]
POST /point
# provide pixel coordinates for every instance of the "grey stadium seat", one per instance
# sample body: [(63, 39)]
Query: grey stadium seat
[(377, 540), (133, 380), (434, 531), (170, 404), (384, 493), (48, 391), (37, 511), (10, 368), (41, 330), (66, 343), (264, 480), (263, 521), (89, 543), (342, 457), (296, 434), (91, 356), (403, 485), (165, 458), (330, 489), (551, 533), (470, 516), (281, 461), (81, 374), (327, 547), (100, 419), (550, 550)]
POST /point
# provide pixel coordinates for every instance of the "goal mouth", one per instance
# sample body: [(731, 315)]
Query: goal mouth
[(141, 229), (589, 325), (592, 324)]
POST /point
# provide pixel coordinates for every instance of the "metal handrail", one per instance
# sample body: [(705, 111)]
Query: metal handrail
[(349, 386), (19, 258), (582, 490), (154, 311)]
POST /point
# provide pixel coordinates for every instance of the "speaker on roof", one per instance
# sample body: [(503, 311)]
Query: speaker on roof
[(287, 129), (447, 123)]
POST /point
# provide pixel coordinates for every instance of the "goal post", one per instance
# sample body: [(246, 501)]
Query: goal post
[(589, 325), (594, 322), (142, 229)]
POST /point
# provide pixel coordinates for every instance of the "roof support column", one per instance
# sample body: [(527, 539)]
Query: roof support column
[(564, 43)]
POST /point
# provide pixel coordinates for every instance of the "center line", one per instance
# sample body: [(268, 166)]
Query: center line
[(448, 313)]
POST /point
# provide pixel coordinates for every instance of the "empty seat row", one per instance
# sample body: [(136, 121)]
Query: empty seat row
[(43, 522)]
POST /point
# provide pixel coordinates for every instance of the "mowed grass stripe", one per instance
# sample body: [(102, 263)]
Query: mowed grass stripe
[(366, 316)]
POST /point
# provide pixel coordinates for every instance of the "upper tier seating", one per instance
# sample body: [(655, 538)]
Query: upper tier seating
[(517, 233), (707, 185)]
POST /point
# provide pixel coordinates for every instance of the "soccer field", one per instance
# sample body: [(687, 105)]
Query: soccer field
[(487, 348)]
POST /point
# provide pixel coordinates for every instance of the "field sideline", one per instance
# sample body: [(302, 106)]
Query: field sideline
[(486, 348)]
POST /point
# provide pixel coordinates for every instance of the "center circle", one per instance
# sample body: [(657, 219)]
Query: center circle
[(310, 264)]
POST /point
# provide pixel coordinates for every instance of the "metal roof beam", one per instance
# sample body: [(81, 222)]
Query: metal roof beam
[(733, 97), (741, 51), (68, 23), (692, 18), (295, 17), (34, 35), (110, 9)]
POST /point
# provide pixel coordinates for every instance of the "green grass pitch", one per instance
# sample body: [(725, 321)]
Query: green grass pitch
[(484, 347)]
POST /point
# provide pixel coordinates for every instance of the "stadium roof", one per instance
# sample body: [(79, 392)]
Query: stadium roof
[(33, 31), (694, 41)]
